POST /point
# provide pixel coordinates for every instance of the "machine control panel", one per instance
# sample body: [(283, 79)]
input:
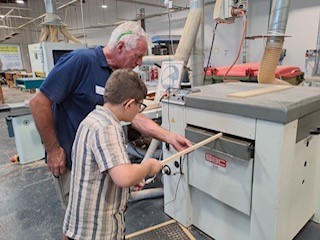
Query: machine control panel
[(178, 96)]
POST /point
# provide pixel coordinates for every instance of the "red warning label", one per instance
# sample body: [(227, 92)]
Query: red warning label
[(216, 161)]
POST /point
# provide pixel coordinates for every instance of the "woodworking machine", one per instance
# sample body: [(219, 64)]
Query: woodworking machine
[(21, 126), (259, 180)]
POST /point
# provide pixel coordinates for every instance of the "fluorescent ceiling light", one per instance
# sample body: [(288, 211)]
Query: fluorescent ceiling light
[(19, 1), (104, 5)]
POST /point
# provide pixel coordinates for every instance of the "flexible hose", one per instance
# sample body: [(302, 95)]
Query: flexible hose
[(148, 193), (276, 31), (68, 35), (266, 74), (145, 194), (151, 149), (44, 33), (53, 33), (189, 35)]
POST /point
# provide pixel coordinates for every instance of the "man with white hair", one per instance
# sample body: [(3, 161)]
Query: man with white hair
[(75, 86)]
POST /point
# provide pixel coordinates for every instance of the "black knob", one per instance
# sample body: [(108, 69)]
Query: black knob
[(315, 132), (176, 164), (166, 169)]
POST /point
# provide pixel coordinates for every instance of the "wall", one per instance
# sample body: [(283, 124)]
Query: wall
[(302, 26)]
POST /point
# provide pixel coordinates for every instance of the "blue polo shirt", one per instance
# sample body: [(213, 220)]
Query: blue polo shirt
[(75, 85)]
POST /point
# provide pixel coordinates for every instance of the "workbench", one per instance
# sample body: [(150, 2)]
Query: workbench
[(29, 83)]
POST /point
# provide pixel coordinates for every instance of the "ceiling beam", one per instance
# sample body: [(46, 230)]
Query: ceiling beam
[(18, 8), (43, 15), (149, 4), (18, 16)]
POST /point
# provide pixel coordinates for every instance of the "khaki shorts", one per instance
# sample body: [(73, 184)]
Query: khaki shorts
[(62, 185)]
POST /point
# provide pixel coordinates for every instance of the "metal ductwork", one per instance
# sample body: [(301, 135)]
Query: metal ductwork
[(51, 17), (52, 23), (275, 39)]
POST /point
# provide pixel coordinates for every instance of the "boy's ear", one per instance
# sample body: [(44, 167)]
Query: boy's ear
[(128, 104)]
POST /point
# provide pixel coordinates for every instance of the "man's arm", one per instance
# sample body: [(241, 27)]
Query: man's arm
[(41, 108), (127, 175), (148, 127)]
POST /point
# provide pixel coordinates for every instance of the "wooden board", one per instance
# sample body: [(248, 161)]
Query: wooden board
[(190, 149), (259, 91)]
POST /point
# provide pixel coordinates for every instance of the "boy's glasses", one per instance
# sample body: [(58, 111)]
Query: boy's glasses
[(142, 106)]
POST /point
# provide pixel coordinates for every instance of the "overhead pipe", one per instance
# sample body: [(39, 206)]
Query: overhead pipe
[(275, 39)]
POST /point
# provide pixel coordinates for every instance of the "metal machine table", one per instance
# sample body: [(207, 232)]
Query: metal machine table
[(260, 180)]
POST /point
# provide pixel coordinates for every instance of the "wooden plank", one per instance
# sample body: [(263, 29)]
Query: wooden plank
[(186, 231), (190, 149), (259, 91)]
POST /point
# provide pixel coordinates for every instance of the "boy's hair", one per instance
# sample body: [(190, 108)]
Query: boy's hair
[(124, 84)]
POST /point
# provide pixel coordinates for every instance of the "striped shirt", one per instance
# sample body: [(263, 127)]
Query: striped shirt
[(96, 205)]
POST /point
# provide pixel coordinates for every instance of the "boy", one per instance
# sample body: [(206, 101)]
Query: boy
[(102, 173)]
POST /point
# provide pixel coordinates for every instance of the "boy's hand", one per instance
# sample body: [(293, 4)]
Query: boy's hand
[(139, 186), (154, 165)]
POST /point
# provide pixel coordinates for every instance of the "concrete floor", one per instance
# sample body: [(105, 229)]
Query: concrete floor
[(29, 208)]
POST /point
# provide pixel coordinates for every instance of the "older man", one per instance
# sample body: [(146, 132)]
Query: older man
[(75, 86)]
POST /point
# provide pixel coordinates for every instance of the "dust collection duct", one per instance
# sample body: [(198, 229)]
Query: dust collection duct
[(52, 23), (188, 37), (186, 44), (189, 47), (275, 39)]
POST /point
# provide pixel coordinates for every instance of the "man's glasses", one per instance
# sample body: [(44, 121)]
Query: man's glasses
[(142, 106)]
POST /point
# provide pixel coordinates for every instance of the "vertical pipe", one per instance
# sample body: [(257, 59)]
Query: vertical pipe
[(279, 17), (51, 6), (197, 55)]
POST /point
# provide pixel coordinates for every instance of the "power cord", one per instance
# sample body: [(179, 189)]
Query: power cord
[(210, 52), (181, 174)]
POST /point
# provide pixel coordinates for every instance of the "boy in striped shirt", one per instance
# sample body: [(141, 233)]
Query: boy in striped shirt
[(102, 172)]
